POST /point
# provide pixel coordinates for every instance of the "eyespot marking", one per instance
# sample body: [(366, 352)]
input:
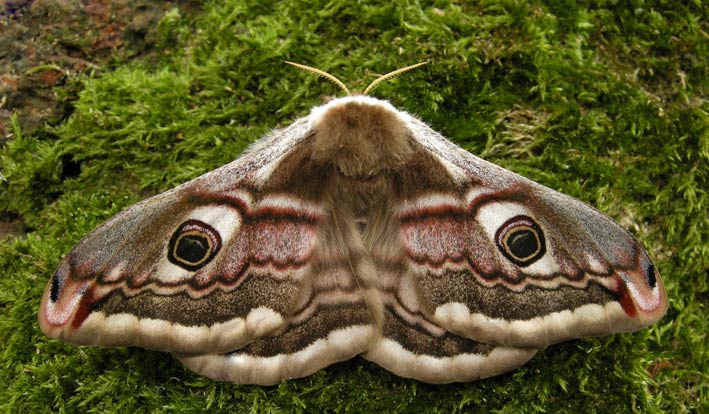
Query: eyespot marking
[(521, 240), (193, 245)]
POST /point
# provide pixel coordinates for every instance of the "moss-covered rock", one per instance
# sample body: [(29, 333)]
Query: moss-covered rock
[(606, 102)]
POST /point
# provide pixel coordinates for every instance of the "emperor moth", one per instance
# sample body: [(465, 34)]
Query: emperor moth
[(357, 230)]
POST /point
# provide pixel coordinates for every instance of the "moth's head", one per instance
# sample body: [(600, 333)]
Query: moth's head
[(360, 136)]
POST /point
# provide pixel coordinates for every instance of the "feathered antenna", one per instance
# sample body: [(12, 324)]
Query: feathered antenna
[(321, 73), (342, 86), (391, 75)]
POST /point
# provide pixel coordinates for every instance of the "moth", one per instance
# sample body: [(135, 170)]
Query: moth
[(357, 230)]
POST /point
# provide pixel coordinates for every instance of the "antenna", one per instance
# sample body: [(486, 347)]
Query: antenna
[(342, 86), (391, 75), (321, 73)]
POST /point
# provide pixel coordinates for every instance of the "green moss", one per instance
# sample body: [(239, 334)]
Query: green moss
[(605, 102)]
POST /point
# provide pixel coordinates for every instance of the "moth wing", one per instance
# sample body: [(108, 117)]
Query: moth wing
[(411, 343), (414, 346), (504, 260), (335, 317), (331, 327), (209, 266)]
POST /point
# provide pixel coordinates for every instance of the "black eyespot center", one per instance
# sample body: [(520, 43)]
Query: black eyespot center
[(521, 240), (193, 245)]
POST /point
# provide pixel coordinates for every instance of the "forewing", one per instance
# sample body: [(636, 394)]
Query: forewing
[(206, 267), (504, 260), (335, 317), (411, 343)]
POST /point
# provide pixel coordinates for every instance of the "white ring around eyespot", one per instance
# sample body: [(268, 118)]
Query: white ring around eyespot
[(491, 216), (225, 220)]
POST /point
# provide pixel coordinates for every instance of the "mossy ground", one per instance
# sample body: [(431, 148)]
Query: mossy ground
[(606, 102)]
